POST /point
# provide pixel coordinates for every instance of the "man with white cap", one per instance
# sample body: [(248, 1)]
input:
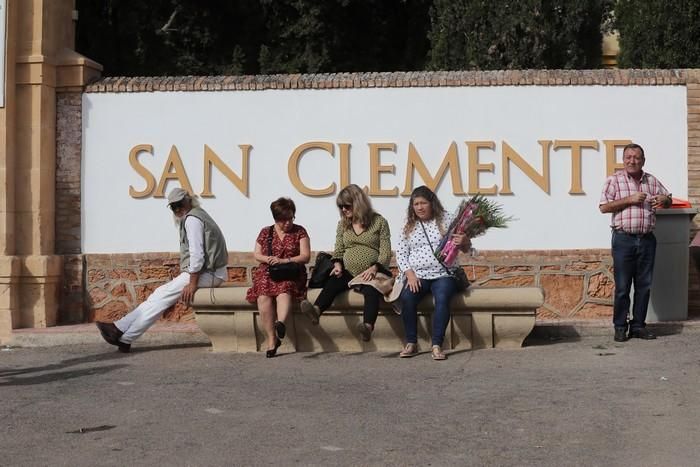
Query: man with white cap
[(203, 260)]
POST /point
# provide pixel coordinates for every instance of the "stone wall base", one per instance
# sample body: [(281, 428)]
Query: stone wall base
[(578, 284)]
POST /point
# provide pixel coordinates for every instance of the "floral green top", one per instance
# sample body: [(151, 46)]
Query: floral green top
[(359, 252)]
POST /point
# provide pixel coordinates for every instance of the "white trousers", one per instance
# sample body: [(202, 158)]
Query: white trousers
[(134, 324)]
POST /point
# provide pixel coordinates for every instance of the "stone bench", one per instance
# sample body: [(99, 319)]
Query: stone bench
[(481, 318)]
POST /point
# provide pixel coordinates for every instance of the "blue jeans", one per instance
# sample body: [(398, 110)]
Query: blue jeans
[(633, 263), (442, 289)]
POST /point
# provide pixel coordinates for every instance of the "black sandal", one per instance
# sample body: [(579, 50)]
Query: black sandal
[(272, 352), (280, 329)]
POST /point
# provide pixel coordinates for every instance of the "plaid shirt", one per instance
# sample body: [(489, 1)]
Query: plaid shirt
[(638, 218)]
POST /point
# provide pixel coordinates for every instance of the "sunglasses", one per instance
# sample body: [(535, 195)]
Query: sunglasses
[(176, 206), (347, 207)]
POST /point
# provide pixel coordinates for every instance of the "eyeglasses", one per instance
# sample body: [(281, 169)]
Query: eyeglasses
[(284, 221), (347, 207), (176, 206)]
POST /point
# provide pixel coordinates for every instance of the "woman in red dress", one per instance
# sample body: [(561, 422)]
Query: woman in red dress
[(283, 242)]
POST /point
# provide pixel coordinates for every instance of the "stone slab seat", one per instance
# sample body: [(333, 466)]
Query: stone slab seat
[(481, 318)]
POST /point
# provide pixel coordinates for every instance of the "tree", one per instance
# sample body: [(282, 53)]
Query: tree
[(208, 37), (313, 36), (176, 37), (658, 33), (483, 34)]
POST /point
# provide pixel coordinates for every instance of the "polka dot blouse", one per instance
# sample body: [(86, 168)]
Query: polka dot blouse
[(415, 252)]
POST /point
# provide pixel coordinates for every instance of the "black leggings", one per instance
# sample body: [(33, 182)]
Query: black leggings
[(337, 285)]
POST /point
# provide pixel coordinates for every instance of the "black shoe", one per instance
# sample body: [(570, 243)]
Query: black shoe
[(272, 352), (109, 332), (124, 348), (311, 311), (620, 335), (280, 329), (365, 330), (642, 333)]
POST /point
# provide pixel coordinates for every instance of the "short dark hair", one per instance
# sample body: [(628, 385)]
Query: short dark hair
[(634, 146), (283, 209)]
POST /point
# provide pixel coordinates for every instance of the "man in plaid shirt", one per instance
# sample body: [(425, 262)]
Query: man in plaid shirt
[(632, 196)]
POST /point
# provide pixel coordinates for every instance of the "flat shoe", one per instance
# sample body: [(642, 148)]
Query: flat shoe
[(280, 329), (365, 330), (411, 350), (109, 332), (311, 311), (641, 333), (437, 353), (620, 335)]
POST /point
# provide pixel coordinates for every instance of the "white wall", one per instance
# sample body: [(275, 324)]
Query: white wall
[(275, 122)]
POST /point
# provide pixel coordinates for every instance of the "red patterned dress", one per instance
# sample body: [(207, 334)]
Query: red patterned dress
[(287, 248)]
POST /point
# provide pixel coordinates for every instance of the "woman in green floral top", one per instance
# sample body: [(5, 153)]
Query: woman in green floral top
[(362, 248)]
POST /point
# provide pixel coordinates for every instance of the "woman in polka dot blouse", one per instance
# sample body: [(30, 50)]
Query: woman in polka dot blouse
[(426, 224), (362, 248)]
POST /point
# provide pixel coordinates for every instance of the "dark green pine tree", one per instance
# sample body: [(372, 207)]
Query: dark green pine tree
[(540, 34), (211, 37), (658, 33)]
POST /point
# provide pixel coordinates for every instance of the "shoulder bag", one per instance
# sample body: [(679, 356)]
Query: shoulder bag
[(284, 271), (322, 270), (458, 274)]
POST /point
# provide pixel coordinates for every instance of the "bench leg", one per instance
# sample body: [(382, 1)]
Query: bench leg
[(482, 329), (461, 331), (229, 331), (218, 327), (246, 332), (511, 330)]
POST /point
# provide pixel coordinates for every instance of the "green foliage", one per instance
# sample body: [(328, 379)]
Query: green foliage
[(505, 34), (311, 36), (208, 37), (658, 33), (302, 39), (214, 37), (176, 37)]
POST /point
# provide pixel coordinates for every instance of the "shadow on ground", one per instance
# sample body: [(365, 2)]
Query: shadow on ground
[(544, 335), (57, 376), (62, 364), (135, 348)]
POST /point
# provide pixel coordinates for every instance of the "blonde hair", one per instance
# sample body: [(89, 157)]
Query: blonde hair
[(362, 212)]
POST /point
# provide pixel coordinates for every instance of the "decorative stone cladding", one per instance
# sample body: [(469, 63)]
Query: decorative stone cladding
[(578, 284), (116, 283)]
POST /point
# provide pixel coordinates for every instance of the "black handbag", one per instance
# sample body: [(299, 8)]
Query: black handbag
[(284, 271), (460, 278), (322, 270)]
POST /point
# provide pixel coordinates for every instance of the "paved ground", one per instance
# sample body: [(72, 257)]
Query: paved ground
[(585, 402)]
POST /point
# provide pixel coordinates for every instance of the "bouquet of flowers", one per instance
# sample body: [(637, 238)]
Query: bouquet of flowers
[(473, 218)]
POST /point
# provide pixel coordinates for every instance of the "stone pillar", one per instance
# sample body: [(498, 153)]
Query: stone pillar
[(611, 50), (39, 61)]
